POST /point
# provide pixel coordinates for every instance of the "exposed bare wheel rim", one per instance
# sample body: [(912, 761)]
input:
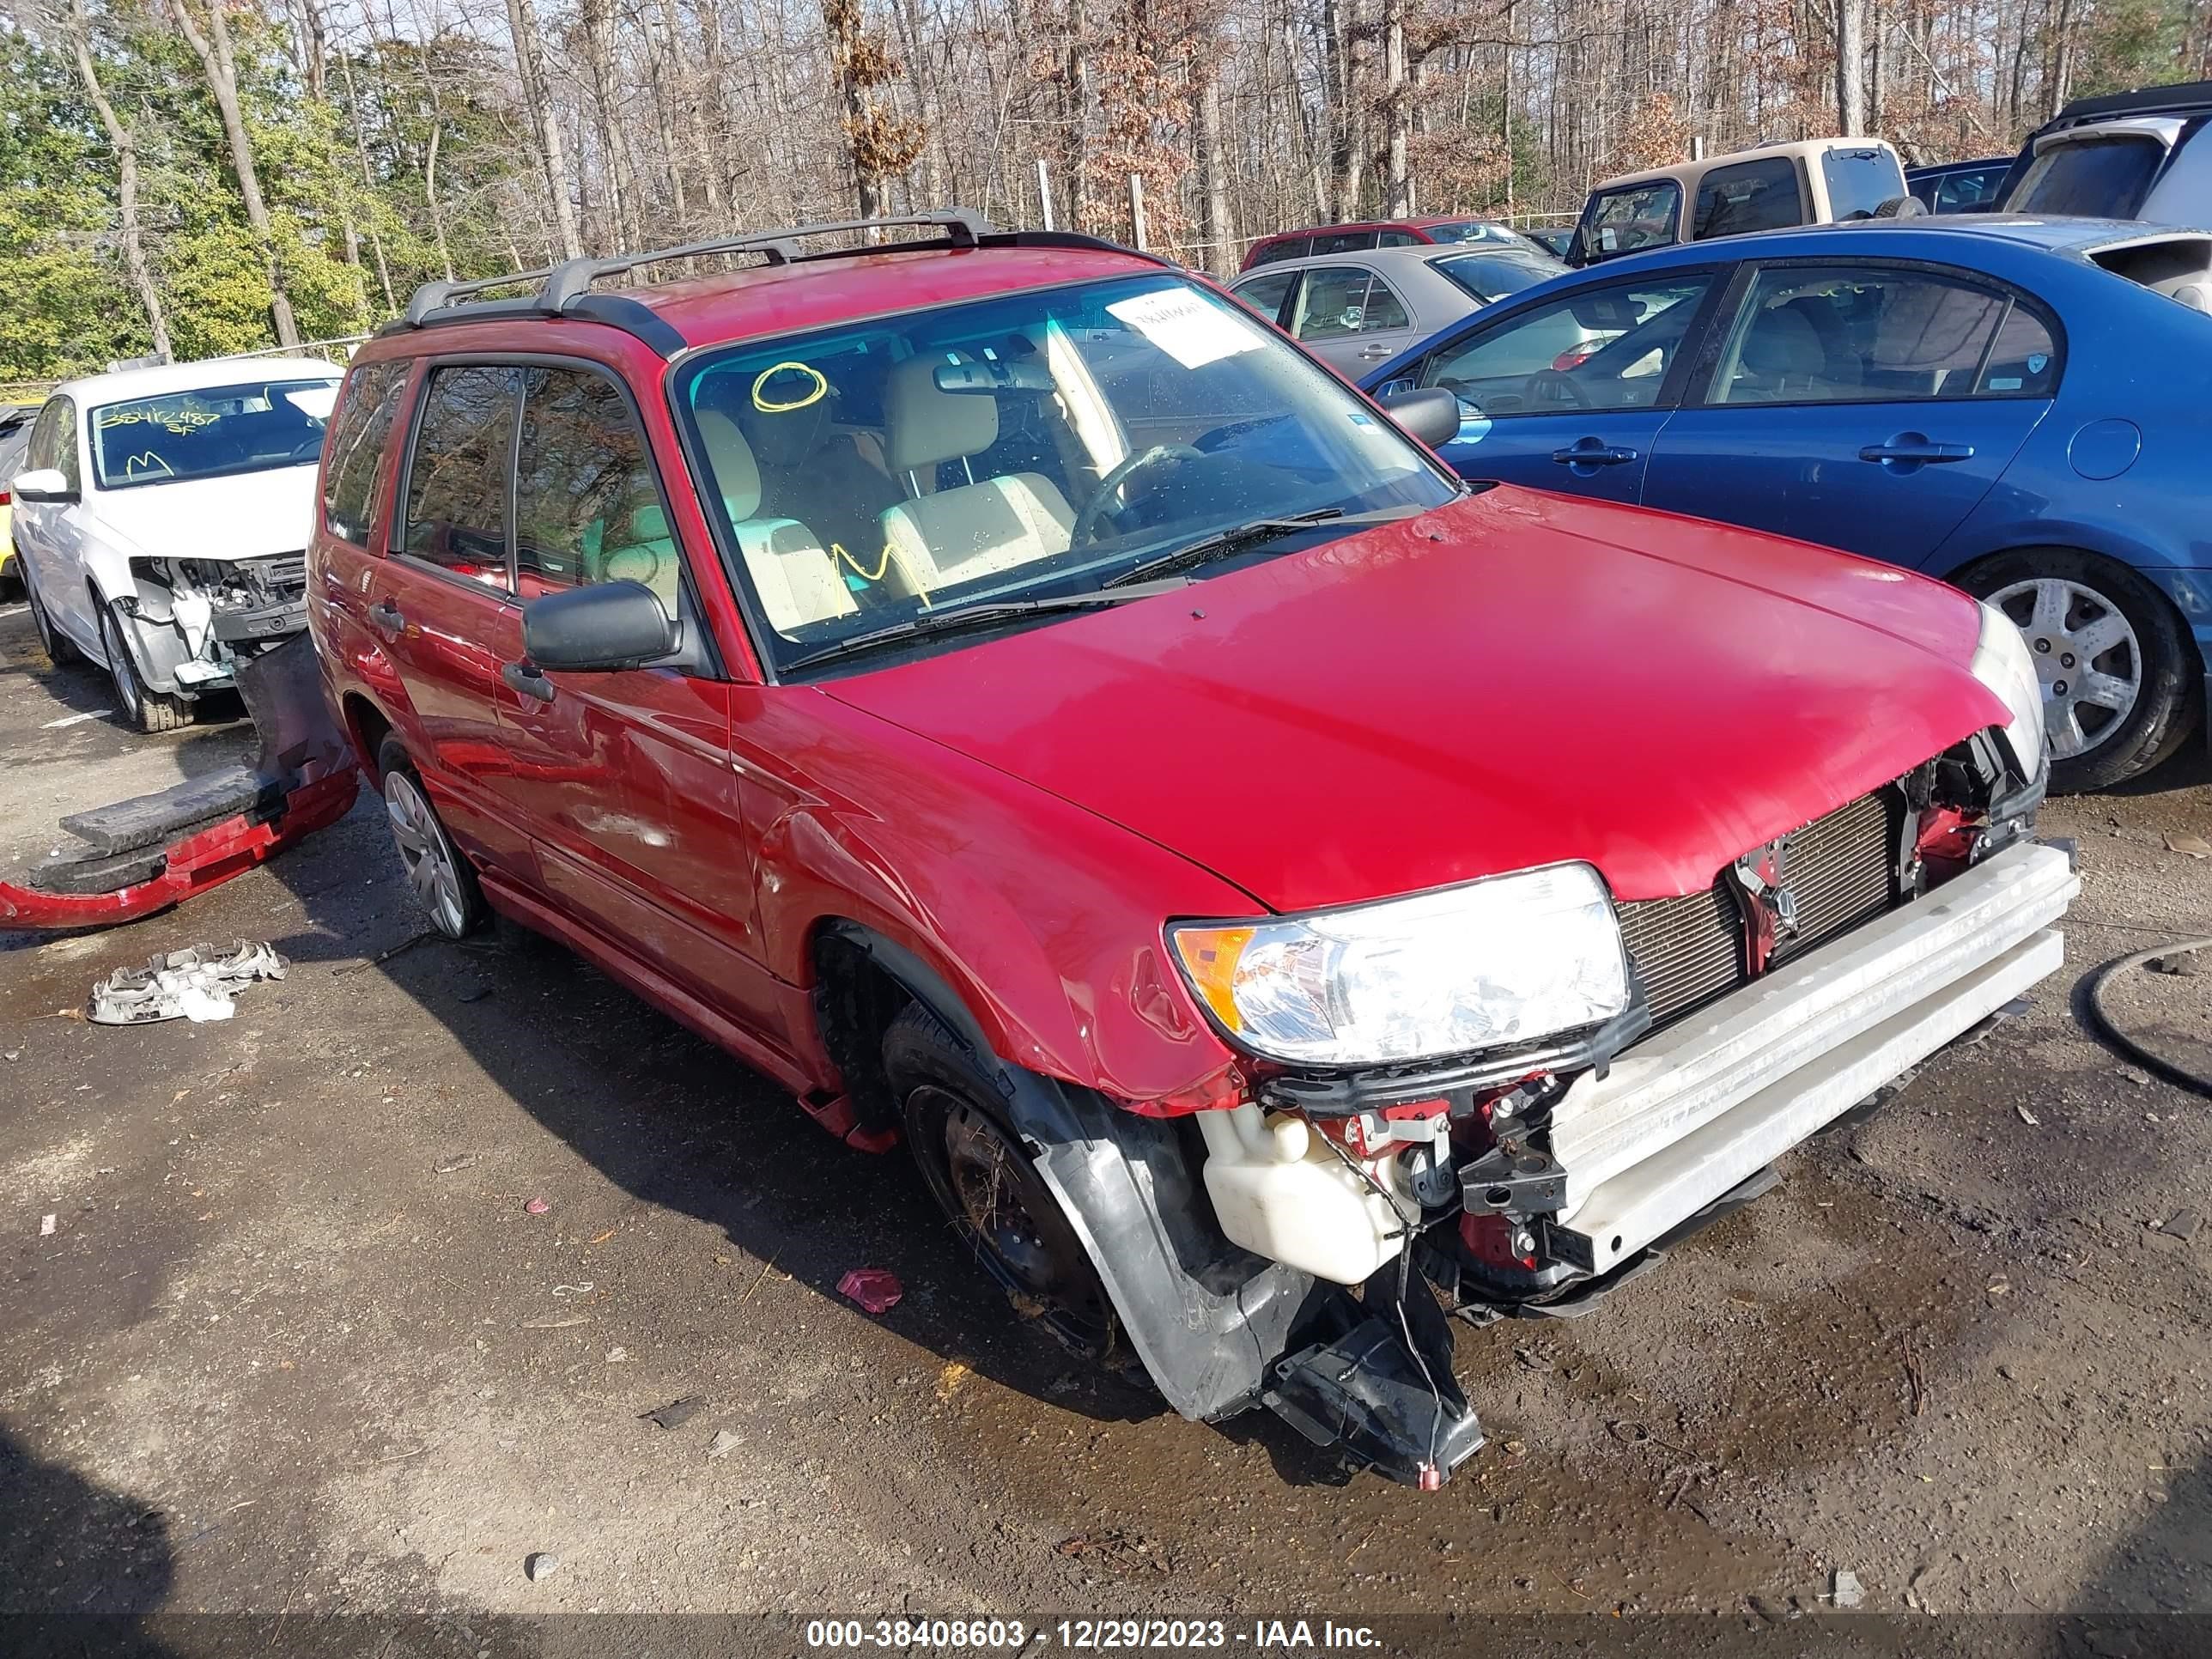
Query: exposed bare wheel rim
[(2087, 656), (1011, 1218), (432, 867), (130, 695)]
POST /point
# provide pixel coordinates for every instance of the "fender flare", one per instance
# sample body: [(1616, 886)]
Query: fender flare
[(1135, 1198)]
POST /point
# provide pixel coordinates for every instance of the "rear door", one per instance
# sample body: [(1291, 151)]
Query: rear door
[(441, 603), (1349, 317), (1571, 393), (1866, 406)]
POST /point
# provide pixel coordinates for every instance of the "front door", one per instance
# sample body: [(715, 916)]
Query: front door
[(1571, 394), (51, 537), (624, 778), (1866, 407)]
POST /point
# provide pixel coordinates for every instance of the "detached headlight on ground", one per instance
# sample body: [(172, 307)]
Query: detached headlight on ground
[(2003, 663), (1503, 961)]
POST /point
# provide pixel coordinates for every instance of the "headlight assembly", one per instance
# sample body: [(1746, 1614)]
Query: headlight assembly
[(1492, 962), (2003, 663)]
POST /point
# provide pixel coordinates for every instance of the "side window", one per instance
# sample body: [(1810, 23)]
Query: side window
[(1287, 247), (456, 476), (40, 452), (1749, 196), (1602, 349), (1398, 239), (360, 433), (1962, 193), (53, 441), (1342, 299), (1345, 241), (586, 508), (1875, 334), (1634, 216), (1266, 294)]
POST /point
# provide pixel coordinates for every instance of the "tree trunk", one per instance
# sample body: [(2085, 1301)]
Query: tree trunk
[(1076, 89), (1851, 67), (126, 183), (552, 157), (1398, 198), (367, 180), (219, 64), (1218, 228)]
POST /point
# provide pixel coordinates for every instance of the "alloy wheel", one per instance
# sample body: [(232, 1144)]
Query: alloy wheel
[(130, 696), (2087, 656), (432, 866)]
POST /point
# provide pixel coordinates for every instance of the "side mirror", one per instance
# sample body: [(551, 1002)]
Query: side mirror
[(44, 484), (1431, 415), (602, 625)]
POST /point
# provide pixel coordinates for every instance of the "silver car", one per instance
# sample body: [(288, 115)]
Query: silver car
[(1355, 310)]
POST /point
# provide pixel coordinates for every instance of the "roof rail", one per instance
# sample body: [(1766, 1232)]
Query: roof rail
[(2184, 98), (565, 289), (561, 285)]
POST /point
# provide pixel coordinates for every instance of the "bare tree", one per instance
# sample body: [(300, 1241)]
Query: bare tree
[(219, 63), (545, 127), (78, 28)]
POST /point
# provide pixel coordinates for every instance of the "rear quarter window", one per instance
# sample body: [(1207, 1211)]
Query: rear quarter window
[(360, 432)]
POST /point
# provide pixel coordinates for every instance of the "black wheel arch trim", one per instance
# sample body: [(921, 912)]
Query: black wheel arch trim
[(1208, 1319)]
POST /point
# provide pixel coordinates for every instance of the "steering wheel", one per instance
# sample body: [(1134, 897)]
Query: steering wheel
[(1117, 477), (309, 449), (1546, 386)]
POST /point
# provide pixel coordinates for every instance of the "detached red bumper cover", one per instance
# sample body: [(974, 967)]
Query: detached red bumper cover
[(134, 857), (206, 857)]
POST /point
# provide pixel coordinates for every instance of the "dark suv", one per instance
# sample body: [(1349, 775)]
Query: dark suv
[(1004, 690)]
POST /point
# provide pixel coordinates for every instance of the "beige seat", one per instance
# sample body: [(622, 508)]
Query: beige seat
[(973, 529), (795, 576)]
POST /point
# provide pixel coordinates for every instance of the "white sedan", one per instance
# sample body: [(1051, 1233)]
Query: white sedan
[(161, 523)]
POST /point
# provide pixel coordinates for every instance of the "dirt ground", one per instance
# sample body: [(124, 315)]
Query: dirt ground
[(295, 1344)]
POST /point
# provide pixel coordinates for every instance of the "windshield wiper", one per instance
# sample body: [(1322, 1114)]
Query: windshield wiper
[(977, 614), (1221, 542)]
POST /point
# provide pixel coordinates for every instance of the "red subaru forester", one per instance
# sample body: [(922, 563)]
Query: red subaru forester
[(996, 686)]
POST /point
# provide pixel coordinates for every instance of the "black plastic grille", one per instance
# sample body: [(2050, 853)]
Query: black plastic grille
[(1688, 951)]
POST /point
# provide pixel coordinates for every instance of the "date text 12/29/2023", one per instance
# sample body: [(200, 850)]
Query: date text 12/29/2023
[(1096, 1635)]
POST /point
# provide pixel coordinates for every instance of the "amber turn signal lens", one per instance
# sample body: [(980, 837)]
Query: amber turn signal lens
[(1210, 956)]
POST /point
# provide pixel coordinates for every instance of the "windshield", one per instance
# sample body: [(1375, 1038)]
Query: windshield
[(1030, 446), (211, 432), (1490, 276), (2100, 178), (1634, 216)]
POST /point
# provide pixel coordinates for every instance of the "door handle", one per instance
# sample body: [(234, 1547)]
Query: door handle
[(1378, 350), (523, 677), (1911, 446), (1591, 452), (384, 616)]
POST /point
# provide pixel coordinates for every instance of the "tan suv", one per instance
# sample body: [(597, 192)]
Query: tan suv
[(1819, 181)]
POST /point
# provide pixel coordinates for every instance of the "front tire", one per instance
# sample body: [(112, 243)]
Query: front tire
[(144, 710), (984, 1178), (443, 882), (2119, 675)]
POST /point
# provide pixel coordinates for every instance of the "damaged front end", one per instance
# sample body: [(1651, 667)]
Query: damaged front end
[(194, 622), (1531, 1178)]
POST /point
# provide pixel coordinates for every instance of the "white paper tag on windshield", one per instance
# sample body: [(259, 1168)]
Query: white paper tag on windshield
[(1186, 327)]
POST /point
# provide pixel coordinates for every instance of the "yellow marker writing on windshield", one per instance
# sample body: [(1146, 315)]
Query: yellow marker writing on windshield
[(819, 390)]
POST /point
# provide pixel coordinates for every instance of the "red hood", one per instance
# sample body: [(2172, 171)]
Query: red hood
[(1511, 680)]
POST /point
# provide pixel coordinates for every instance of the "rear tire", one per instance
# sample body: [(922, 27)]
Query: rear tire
[(984, 1179), (51, 641), (144, 710), (443, 881), (2063, 599)]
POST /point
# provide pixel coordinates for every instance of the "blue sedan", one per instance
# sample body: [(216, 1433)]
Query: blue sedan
[(2017, 405)]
